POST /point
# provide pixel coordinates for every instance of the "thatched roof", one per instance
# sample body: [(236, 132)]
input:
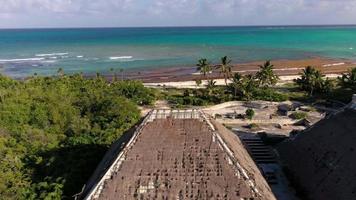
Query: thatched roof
[(322, 159), (185, 159)]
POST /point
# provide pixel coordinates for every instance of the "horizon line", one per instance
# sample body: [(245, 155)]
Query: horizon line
[(183, 26)]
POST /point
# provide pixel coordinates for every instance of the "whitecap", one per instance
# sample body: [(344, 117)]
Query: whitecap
[(51, 54), (351, 48), (120, 57), (49, 61), (334, 64), (91, 59), (21, 60), (80, 56)]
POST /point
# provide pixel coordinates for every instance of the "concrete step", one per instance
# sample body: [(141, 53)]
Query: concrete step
[(260, 149), (266, 161), (256, 144)]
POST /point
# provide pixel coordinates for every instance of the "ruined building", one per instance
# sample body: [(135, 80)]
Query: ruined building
[(322, 159), (179, 155)]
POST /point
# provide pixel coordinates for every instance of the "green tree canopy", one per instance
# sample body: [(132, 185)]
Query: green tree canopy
[(348, 80), (55, 130), (243, 86), (225, 68), (266, 76), (313, 81), (204, 67)]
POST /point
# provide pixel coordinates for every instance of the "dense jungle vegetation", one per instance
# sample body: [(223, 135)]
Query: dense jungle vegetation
[(55, 130)]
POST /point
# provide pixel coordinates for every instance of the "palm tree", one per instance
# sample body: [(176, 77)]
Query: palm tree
[(225, 68), (243, 86), (266, 76), (203, 67), (198, 82), (249, 85), (326, 86), (236, 82), (210, 86), (318, 80), (312, 80), (348, 80), (307, 80)]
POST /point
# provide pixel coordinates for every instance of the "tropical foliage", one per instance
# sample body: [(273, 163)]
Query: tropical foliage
[(55, 130), (204, 67), (348, 80), (299, 115), (244, 86), (240, 87), (312, 81), (225, 68), (266, 76), (250, 113)]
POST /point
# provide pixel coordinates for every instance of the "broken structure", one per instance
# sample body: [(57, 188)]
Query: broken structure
[(180, 155), (322, 159)]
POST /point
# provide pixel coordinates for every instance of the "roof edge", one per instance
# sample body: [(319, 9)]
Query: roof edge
[(353, 102)]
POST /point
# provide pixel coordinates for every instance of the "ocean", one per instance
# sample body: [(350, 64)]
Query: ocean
[(24, 52)]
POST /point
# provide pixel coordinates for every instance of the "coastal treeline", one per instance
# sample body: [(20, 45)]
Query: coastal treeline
[(237, 86), (311, 86), (55, 130), (317, 85)]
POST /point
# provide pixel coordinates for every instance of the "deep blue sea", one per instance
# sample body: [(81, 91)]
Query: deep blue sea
[(43, 51)]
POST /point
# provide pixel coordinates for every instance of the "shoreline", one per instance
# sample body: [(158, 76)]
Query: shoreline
[(219, 82), (283, 68)]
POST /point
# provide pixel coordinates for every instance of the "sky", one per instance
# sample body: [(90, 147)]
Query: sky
[(133, 13)]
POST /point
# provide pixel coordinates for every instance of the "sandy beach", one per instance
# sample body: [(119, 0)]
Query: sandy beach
[(288, 70), (192, 84)]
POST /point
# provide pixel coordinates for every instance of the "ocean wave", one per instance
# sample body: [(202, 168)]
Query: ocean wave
[(21, 60), (80, 56), (49, 61), (121, 58), (334, 64), (51, 54), (91, 59), (274, 28)]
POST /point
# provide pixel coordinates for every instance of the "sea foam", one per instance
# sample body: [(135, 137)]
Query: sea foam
[(334, 64), (51, 54), (120, 57), (21, 60)]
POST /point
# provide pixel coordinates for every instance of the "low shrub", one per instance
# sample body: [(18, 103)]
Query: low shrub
[(268, 94), (299, 115), (250, 113)]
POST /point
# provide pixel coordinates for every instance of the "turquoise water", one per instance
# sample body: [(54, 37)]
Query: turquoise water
[(43, 51)]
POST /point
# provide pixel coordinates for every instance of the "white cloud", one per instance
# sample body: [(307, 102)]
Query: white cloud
[(20, 13)]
